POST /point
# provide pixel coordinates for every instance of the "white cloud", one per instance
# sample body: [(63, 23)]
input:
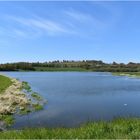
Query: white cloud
[(42, 25), (74, 22), (84, 18), (78, 15), (47, 25)]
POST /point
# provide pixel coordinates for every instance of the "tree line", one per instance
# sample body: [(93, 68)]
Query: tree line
[(87, 65)]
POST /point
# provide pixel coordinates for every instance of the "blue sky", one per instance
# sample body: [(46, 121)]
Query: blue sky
[(44, 31)]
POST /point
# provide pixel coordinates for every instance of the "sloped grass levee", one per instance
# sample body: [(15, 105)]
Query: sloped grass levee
[(5, 82), (120, 128)]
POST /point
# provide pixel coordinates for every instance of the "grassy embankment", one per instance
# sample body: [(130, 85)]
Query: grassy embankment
[(5, 82), (120, 128)]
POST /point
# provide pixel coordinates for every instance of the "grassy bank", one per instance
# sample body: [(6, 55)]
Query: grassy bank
[(15, 100), (130, 74), (120, 128), (5, 82)]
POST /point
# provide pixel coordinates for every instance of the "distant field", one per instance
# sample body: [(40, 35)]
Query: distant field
[(120, 128), (4, 83), (59, 69)]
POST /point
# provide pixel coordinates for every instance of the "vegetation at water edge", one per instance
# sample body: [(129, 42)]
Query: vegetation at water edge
[(14, 100), (36, 96), (129, 74), (120, 128)]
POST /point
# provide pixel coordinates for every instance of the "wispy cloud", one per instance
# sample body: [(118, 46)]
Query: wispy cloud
[(78, 15), (72, 22), (34, 26), (49, 26), (87, 24), (84, 18), (17, 33)]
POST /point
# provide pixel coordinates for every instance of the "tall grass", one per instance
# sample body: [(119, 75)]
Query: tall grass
[(120, 128)]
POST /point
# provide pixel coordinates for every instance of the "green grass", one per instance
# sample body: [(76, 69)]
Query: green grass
[(36, 96), (37, 106), (130, 74), (25, 111), (8, 119), (5, 82), (26, 86), (120, 128)]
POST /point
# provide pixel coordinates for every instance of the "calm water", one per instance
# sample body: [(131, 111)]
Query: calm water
[(78, 97)]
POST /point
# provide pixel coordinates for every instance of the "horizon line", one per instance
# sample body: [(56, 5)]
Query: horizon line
[(69, 61)]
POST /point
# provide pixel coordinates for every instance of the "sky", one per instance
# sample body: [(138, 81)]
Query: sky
[(84, 30)]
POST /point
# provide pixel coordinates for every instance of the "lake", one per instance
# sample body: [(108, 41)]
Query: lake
[(78, 97)]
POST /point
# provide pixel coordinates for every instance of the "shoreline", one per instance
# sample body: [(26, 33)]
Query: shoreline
[(18, 99), (122, 128), (118, 128), (128, 74), (12, 98)]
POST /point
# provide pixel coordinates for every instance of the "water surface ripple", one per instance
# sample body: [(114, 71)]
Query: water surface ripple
[(78, 97)]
